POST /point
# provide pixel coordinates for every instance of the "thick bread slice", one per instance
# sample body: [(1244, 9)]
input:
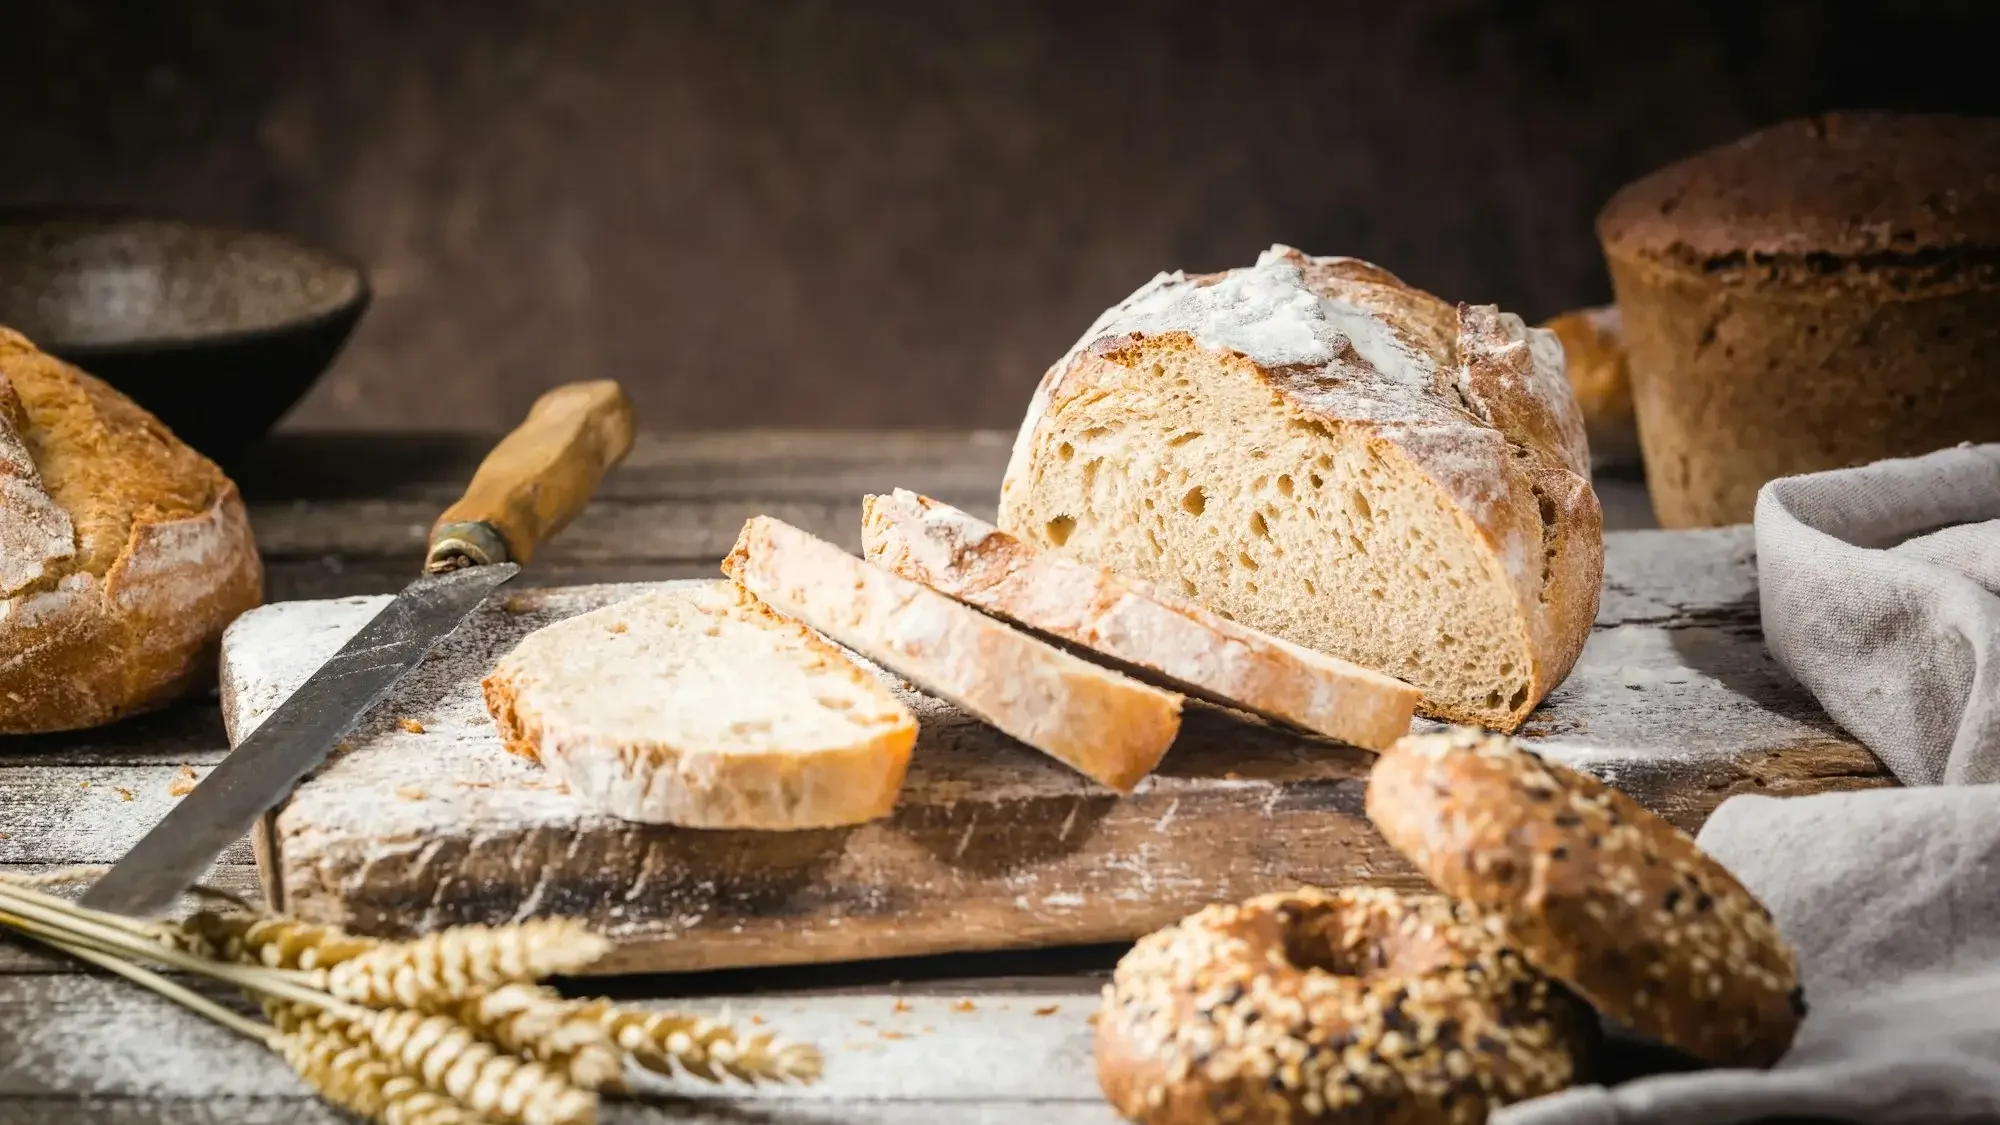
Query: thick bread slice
[(1109, 727), (1130, 621), (1313, 448), (702, 708)]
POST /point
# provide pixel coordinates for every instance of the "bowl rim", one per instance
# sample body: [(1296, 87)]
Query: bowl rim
[(113, 219)]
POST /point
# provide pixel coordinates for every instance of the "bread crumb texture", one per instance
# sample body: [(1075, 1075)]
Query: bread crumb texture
[(702, 707), (123, 552), (1315, 449), (1361, 1004), (1595, 891)]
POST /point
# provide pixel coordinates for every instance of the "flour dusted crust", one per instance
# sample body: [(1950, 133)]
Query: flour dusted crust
[(1133, 623), (1466, 398), (123, 553), (788, 732), (1102, 724)]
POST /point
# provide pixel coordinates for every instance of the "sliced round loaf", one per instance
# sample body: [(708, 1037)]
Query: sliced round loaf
[(1131, 623), (123, 553), (1315, 449), (700, 707), (1595, 891)]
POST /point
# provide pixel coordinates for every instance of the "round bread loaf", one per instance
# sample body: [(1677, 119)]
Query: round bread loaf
[(1595, 891), (1594, 359), (1822, 293), (123, 553), (1361, 1004)]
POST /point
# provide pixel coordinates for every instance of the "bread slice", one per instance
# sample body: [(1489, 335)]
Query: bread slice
[(701, 707), (1132, 622), (1109, 727), (1315, 449)]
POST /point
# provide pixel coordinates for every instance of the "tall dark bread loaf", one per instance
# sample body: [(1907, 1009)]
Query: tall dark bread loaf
[(1822, 293)]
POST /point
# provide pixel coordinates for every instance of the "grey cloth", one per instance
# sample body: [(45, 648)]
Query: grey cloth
[(1892, 900), (1881, 594)]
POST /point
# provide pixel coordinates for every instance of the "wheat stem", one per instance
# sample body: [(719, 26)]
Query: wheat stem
[(23, 886), (79, 923), (178, 993)]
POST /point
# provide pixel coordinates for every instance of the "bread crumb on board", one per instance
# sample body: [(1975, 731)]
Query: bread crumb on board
[(183, 781), (413, 726), (887, 1034), (124, 794), (1048, 1010), (83, 785), (964, 1006), (410, 792), (902, 1005)]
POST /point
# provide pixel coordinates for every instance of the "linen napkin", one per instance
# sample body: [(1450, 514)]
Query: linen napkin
[(1881, 594), (1892, 900)]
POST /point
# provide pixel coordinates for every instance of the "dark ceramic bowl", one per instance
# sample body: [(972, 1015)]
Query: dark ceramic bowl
[(218, 332)]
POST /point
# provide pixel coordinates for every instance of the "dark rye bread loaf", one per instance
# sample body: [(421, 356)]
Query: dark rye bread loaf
[(1823, 293)]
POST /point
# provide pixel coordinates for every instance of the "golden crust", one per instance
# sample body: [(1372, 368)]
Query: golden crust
[(1132, 623), (1595, 891), (1102, 724), (1362, 1004), (161, 560)]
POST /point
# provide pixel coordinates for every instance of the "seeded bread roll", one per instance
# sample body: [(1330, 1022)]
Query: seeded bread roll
[(1356, 1005), (1823, 293), (1315, 449), (1595, 891), (123, 553)]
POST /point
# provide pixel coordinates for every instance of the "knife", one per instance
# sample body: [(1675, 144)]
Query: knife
[(526, 489)]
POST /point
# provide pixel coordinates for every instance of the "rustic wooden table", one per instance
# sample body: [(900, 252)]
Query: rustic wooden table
[(1000, 1038)]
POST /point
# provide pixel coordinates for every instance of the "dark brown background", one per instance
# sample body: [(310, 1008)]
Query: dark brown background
[(870, 212)]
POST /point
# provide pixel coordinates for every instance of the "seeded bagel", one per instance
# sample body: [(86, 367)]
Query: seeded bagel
[(1357, 1005), (1595, 891)]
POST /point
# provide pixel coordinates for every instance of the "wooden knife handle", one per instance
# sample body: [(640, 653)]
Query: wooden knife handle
[(537, 479)]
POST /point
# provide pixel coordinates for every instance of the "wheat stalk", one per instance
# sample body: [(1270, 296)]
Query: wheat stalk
[(451, 1058), (353, 1074), (664, 1042), (279, 943), (443, 1030), (538, 1023), (436, 972)]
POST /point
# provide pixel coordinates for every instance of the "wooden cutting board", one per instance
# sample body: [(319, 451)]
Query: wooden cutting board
[(424, 821)]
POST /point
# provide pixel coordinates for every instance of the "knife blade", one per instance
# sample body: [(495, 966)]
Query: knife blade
[(526, 489)]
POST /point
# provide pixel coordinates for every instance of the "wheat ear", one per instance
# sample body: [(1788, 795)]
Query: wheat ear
[(435, 972), (708, 1049), (279, 943), (352, 1073), (450, 1058), (538, 1023)]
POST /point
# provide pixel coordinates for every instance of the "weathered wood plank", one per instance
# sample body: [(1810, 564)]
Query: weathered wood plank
[(85, 814), (93, 1036), (663, 465), (711, 1111), (992, 846), (189, 732)]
